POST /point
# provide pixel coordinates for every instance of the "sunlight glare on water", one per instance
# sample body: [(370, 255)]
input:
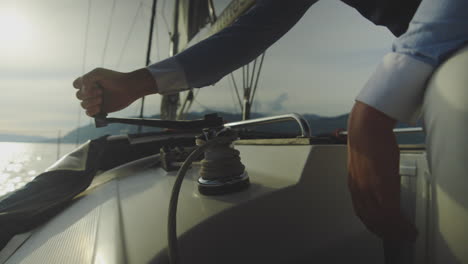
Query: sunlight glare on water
[(20, 163), (12, 159)]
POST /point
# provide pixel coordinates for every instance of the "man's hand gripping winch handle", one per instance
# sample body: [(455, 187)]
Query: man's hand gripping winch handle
[(100, 119)]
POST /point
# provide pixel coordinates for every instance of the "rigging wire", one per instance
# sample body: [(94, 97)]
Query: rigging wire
[(204, 106), (258, 76), (164, 17), (243, 79), (109, 29), (188, 97), (233, 97), (156, 40), (236, 89), (253, 72), (148, 55), (247, 85), (250, 79), (129, 34), (191, 101), (83, 66), (85, 51), (151, 33)]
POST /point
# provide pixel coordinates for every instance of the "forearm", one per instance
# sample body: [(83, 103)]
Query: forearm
[(242, 42), (373, 166), (372, 145), (208, 61), (142, 82)]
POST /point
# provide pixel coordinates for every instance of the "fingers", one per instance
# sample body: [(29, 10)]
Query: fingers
[(83, 94), (91, 98), (89, 79), (92, 76), (78, 83), (92, 105), (90, 102), (94, 110), (89, 91)]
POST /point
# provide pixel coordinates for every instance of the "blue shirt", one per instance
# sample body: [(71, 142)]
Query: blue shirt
[(439, 28)]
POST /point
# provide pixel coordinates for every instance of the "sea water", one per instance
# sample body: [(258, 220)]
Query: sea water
[(22, 162)]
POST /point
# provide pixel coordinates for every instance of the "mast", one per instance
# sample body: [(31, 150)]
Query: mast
[(148, 54), (170, 103), (189, 17)]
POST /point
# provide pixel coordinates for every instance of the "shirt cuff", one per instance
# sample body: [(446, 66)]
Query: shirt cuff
[(397, 87), (169, 76)]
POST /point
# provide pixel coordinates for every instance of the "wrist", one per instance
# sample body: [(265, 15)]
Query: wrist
[(372, 144), (143, 82)]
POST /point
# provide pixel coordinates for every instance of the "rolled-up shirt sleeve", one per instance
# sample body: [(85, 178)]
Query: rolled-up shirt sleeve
[(210, 60), (169, 76), (397, 87)]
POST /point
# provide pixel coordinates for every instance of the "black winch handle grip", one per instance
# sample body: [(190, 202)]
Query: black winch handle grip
[(100, 119)]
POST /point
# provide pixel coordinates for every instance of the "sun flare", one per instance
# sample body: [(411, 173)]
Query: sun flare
[(15, 29)]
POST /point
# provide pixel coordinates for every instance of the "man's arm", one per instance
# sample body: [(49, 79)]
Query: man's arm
[(374, 180), (241, 42), (211, 59), (110, 91), (200, 65)]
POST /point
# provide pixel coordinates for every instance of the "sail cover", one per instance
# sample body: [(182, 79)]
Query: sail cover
[(52, 191)]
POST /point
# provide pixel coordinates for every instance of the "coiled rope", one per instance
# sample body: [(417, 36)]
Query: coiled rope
[(220, 162)]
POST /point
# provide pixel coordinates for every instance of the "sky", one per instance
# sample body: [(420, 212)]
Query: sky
[(318, 67)]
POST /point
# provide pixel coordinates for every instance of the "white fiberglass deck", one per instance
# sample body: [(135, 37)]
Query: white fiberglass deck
[(297, 210)]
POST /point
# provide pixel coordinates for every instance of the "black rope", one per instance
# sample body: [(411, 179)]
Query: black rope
[(221, 162), (172, 242)]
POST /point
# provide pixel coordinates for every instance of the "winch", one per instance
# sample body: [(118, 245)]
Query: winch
[(221, 169)]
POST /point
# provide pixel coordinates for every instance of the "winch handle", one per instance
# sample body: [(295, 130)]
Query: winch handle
[(100, 119)]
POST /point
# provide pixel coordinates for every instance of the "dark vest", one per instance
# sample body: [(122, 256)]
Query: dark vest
[(394, 14)]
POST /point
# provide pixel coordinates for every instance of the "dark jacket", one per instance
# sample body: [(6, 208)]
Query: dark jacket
[(394, 14), (208, 61)]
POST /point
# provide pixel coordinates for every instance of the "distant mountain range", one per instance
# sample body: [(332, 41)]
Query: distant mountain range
[(22, 138), (319, 125)]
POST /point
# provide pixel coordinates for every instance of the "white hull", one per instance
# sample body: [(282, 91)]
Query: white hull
[(297, 210)]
